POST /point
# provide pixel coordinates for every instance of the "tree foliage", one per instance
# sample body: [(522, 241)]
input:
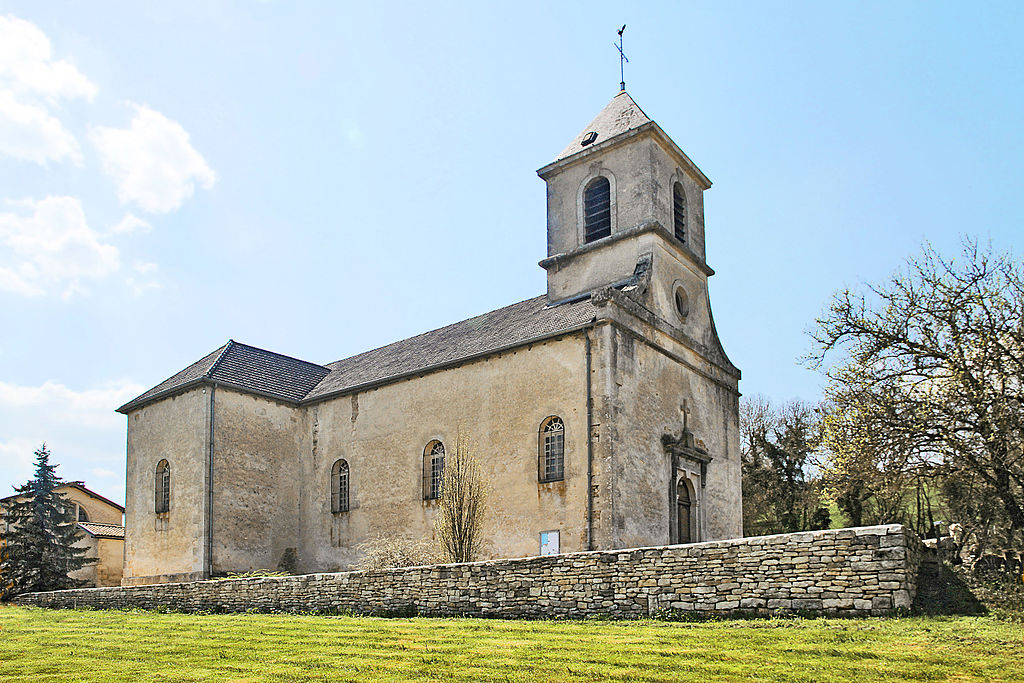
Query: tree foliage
[(462, 504), (39, 551), (925, 373), (776, 443), (872, 480)]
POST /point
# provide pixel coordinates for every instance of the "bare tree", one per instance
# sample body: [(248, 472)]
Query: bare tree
[(462, 504), (931, 363), (385, 551)]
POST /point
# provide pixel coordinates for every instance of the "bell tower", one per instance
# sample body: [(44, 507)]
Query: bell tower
[(622, 197)]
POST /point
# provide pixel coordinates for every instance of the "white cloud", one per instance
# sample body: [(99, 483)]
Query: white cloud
[(61, 405), (48, 245), (28, 132), (129, 224), (152, 161), (26, 64), (32, 83), (80, 428), (140, 286)]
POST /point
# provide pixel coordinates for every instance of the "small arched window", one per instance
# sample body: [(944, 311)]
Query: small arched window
[(597, 209), (683, 512), (433, 470), (83, 516), (679, 212), (551, 459), (163, 487), (339, 486)]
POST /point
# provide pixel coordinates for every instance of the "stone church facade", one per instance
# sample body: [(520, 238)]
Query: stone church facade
[(604, 413)]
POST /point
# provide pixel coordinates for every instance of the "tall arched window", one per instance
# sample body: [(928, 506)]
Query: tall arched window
[(163, 486), (683, 512), (433, 470), (679, 212), (597, 209), (551, 459), (83, 516), (339, 486)]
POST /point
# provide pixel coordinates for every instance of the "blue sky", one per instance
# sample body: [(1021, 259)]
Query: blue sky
[(323, 178)]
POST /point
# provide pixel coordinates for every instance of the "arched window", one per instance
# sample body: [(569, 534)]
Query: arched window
[(339, 486), (679, 212), (163, 487), (433, 470), (683, 512), (551, 459), (597, 209), (83, 516)]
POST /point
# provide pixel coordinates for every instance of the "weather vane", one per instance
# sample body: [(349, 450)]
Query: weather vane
[(622, 60)]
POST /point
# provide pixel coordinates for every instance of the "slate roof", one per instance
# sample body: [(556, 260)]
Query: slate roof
[(97, 530), (502, 328), (271, 374), (618, 116)]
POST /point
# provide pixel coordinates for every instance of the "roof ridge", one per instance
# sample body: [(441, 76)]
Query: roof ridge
[(273, 353), (213, 366)]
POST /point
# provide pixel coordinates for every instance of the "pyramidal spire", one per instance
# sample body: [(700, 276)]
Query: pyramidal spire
[(619, 116)]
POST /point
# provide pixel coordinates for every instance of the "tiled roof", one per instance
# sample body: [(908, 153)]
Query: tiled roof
[(245, 367), (267, 372), (192, 373), (98, 530), (620, 115), (264, 372)]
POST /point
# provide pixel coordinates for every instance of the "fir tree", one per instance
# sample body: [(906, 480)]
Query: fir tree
[(39, 552)]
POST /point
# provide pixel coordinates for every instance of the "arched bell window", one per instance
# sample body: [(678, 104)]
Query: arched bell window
[(551, 459), (679, 212), (597, 209), (683, 509), (433, 470), (339, 486), (163, 487)]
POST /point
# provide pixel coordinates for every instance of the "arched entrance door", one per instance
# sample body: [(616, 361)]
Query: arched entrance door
[(683, 512)]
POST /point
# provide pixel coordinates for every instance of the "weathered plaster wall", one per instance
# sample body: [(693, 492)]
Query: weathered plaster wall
[(865, 571), (97, 510), (642, 173), (88, 572), (256, 482), (170, 545), (500, 402), (109, 565), (110, 568)]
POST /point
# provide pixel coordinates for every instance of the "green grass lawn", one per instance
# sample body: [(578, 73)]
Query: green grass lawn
[(41, 645)]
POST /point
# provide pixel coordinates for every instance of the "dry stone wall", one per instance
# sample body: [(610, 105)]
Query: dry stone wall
[(862, 571)]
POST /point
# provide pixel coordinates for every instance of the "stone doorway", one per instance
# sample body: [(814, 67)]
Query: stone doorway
[(683, 516)]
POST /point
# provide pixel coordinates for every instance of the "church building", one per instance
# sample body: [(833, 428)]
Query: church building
[(605, 413)]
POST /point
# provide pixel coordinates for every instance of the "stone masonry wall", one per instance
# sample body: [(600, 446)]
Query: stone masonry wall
[(862, 571)]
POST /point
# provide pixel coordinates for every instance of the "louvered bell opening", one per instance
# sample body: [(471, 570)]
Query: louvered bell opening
[(597, 210), (679, 213)]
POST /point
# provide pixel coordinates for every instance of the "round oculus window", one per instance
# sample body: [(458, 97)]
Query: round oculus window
[(682, 303)]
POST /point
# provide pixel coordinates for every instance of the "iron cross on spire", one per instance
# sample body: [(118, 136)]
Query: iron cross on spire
[(622, 60)]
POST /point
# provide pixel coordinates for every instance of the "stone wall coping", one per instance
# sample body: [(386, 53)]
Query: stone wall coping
[(511, 564)]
